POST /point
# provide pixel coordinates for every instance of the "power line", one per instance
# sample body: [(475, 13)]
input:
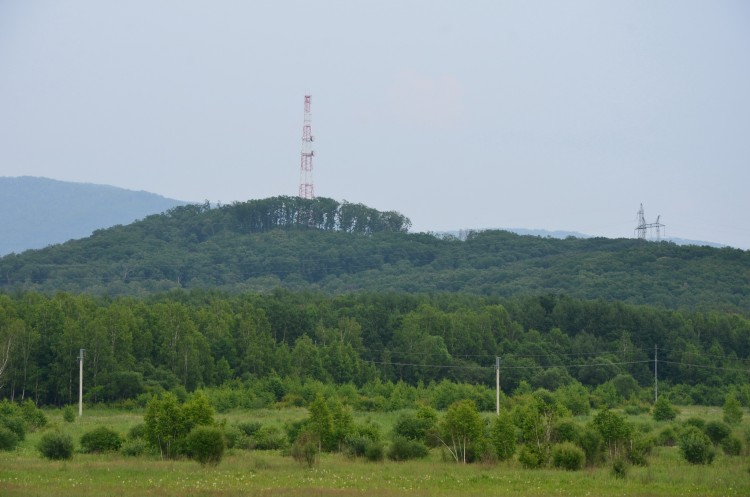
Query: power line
[(475, 367), (704, 366)]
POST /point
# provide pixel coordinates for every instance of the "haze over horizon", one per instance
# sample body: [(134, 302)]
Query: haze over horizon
[(547, 115)]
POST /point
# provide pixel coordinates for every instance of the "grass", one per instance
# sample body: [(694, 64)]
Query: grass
[(243, 473)]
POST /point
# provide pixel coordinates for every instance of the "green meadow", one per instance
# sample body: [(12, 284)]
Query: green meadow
[(24, 472)]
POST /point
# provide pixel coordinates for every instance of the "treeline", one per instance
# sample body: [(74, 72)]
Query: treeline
[(335, 248), (319, 213), (189, 340)]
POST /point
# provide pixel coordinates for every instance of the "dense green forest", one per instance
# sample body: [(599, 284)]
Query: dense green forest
[(336, 248), (285, 291), (199, 339)]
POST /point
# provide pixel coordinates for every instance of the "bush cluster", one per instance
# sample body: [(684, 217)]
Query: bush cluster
[(8, 439), (69, 414), (33, 416), (15, 430), (732, 446), (663, 410), (568, 456), (306, 449), (375, 451), (620, 468), (101, 439), (695, 446), (205, 444), (269, 437), (529, 458), (403, 449), (56, 446), (134, 447), (717, 431)]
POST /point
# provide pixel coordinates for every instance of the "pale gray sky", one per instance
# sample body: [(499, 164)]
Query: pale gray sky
[(562, 115)]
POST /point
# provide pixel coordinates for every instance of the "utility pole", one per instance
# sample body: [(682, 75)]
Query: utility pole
[(497, 384), (80, 384), (656, 376)]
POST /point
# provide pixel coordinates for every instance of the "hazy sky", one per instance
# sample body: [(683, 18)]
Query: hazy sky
[(561, 115)]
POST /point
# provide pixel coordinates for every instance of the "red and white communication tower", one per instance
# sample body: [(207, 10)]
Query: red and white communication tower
[(306, 189)]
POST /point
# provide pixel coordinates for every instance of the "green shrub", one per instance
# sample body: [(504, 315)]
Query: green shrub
[(640, 449), (575, 398), (412, 427), (732, 410), (663, 410), (615, 431), (374, 451), (695, 446), (137, 431), (667, 437), (502, 437), (205, 444), (717, 431), (368, 429), (697, 422), (635, 409), (269, 438), (620, 468), (568, 456), (592, 444), (355, 445), (15, 424), (56, 446), (293, 429), (567, 431), (529, 458), (643, 427), (34, 416), (69, 414), (134, 447), (249, 428), (8, 438), (359, 445), (306, 449), (234, 437), (731, 445), (8, 408), (403, 449), (101, 439)]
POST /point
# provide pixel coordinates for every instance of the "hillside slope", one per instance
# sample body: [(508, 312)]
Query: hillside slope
[(338, 248), (37, 212)]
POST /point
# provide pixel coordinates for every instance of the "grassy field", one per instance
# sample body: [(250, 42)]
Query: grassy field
[(247, 473)]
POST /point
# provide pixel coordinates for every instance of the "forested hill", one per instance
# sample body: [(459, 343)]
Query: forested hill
[(334, 247)]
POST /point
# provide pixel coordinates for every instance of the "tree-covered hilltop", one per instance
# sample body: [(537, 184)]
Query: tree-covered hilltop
[(324, 245), (189, 340)]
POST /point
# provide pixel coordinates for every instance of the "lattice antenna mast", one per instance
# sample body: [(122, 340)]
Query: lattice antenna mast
[(306, 189), (642, 229)]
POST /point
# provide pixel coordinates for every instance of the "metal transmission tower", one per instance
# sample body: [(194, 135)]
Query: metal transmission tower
[(306, 189), (642, 229)]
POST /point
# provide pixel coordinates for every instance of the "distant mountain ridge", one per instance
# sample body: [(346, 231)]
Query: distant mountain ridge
[(38, 212)]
